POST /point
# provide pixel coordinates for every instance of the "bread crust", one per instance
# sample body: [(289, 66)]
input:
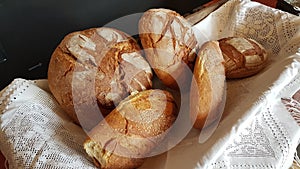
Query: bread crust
[(96, 67), (128, 134), (169, 44), (244, 57), (208, 86)]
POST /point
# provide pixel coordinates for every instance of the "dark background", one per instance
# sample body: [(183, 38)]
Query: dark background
[(31, 29)]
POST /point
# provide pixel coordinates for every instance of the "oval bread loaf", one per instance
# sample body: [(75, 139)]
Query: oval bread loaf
[(128, 134), (207, 94), (96, 67), (169, 44), (243, 56)]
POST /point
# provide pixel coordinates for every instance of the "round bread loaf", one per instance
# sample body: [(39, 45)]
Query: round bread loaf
[(96, 67), (128, 134), (243, 56), (207, 94), (169, 44)]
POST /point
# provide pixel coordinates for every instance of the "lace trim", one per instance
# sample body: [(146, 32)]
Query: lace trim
[(222, 164), (279, 133), (12, 92), (263, 30)]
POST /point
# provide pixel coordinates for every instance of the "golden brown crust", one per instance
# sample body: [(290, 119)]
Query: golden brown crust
[(169, 44), (97, 66), (114, 161), (132, 129), (208, 85), (243, 56)]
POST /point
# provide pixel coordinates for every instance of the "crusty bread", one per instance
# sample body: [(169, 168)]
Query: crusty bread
[(96, 67), (243, 56), (128, 134), (208, 85), (169, 44)]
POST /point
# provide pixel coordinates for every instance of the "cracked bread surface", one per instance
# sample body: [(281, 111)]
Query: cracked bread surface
[(169, 44), (244, 57), (94, 70), (128, 134)]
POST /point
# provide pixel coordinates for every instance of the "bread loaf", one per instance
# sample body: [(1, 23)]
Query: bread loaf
[(207, 94), (243, 56), (169, 44), (96, 67), (128, 134)]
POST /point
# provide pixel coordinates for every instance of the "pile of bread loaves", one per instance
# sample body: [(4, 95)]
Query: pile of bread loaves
[(102, 80)]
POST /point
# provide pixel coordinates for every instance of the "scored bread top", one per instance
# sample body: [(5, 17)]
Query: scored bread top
[(169, 44), (130, 132), (243, 56), (147, 114), (97, 66)]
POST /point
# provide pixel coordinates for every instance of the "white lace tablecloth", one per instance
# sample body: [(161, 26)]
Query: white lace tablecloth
[(35, 133), (259, 128)]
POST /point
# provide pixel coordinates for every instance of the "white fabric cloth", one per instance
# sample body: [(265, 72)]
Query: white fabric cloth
[(35, 133), (257, 130)]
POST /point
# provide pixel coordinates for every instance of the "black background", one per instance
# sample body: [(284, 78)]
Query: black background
[(31, 29)]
